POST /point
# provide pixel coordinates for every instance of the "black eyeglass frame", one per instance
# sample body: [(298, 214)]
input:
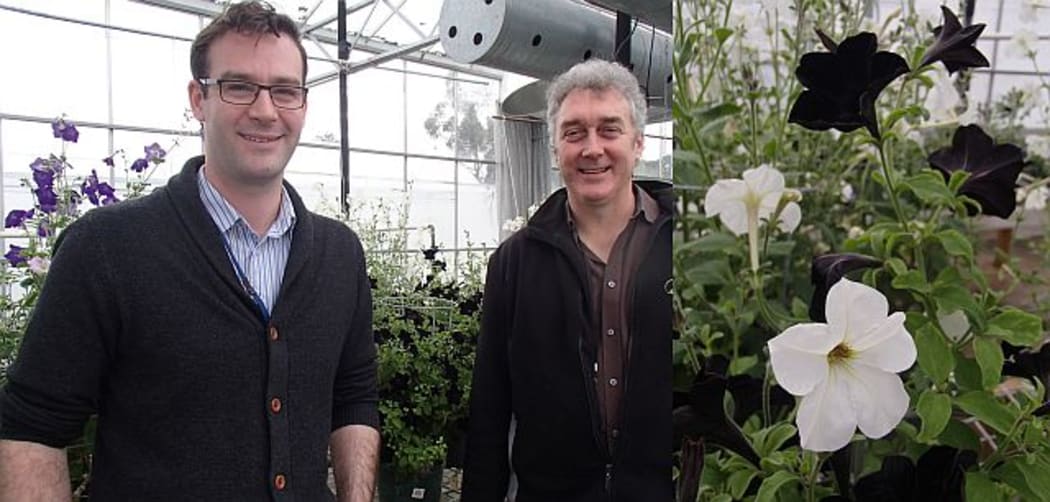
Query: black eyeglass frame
[(218, 82)]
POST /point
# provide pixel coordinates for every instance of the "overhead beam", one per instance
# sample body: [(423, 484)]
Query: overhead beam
[(376, 60)]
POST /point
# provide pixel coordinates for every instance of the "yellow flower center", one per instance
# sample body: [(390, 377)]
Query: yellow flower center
[(840, 353)]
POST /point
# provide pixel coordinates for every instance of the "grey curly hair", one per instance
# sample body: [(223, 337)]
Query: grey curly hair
[(597, 75)]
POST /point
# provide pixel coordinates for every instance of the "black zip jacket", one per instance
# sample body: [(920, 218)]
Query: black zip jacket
[(533, 362)]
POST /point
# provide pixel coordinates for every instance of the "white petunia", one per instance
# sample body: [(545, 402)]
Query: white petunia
[(738, 202), (39, 265), (845, 370), (1036, 198)]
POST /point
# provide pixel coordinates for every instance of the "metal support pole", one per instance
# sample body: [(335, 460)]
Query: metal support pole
[(622, 49), (344, 126)]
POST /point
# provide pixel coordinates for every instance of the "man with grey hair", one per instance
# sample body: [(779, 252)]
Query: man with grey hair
[(575, 338)]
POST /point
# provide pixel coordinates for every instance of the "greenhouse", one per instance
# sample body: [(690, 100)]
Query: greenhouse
[(862, 299), (432, 148)]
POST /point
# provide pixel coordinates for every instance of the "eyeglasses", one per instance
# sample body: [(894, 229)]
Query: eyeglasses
[(240, 92)]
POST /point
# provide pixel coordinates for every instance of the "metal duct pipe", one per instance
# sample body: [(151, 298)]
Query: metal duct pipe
[(542, 38)]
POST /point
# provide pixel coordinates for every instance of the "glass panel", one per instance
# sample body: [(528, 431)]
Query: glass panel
[(131, 14), (432, 200), (150, 76)]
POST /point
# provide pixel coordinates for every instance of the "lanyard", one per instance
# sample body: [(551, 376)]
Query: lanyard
[(264, 313)]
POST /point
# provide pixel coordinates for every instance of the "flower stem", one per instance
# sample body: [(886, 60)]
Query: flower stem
[(887, 172)]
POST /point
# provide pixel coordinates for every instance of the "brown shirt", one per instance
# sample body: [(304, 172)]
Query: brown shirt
[(610, 294)]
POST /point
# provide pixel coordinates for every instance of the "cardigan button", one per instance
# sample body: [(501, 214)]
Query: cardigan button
[(273, 333), (279, 482), (275, 405)]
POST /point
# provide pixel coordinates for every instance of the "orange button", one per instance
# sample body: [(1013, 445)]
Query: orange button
[(275, 405), (278, 481), (273, 334)]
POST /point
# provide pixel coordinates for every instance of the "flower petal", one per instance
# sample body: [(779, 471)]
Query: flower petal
[(726, 199), (887, 347), (854, 308), (826, 419), (790, 217), (879, 400), (799, 357), (764, 180)]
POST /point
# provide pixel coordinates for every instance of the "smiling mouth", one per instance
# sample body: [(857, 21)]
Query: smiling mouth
[(259, 139), (595, 170)]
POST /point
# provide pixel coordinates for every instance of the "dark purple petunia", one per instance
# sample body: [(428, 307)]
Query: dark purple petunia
[(17, 218), (89, 187), (938, 475), (828, 269), (154, 153), (65, 130), (139, 165), (47, 198), (108, 161), (955, 45), (43, 174), (993, 169), (842, 85), (109, 195), (14, 255), (43, 230)]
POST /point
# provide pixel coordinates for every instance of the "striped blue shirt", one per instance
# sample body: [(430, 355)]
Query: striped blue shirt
[(261, 258)]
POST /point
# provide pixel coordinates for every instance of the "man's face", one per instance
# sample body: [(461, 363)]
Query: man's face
[(597, 146), (249, 145)]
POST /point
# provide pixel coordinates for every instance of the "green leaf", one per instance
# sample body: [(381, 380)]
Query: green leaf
[(722, 34), (979, 487), (967, 372), (929, 187), (739, 481), (959, 436), (1035, 474), (720, 242), (935, 409), (1017, 327), (1010, 474), (912, 280), (957, 179), (713, 116), (934, 354), (896, 115), (955, 243), (987, 409), (897, 265), (952, 297), (771, 485), (710, 273), (989, 355), (769, 440)]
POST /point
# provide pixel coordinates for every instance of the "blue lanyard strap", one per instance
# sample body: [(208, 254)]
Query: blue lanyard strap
[(264, 313)]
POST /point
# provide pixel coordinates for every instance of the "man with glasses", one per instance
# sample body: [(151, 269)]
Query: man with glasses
[(191, 321)]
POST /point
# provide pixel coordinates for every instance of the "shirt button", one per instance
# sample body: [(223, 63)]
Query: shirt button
[(616, 433), (273, 334), (611, 284), (613, 382), (279, 482), (275, 405), (611, 332)]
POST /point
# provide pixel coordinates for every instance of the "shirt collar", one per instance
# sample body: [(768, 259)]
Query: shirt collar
[(644, 204), (226, 216)]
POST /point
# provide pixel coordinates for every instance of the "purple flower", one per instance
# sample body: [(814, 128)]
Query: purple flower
[(90, 187), (139, 165), (17, 218), (955, 45), (43, 174), (108, 160), (154, 153), (47, 198), (109, 195), (65, 130), (993, 169), (44, 229), (14, 255)]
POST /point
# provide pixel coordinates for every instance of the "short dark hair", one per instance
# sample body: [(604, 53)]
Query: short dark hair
[(252, 17)]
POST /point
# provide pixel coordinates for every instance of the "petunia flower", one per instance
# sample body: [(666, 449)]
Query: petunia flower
[(89, 187), (154, 153), (955, 45), (139, 165), (742, 204), (14, 255), (938, 475), (842, 85), (845, 370), (43, 230), (17, 218), (64, 129), (39, 265), (701, 414), (826, 271), (993, 169)]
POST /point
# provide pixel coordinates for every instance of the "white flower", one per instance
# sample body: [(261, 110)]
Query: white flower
[(955, 324), (1036, 198), (845, 369), (846, 193), (738, 202), (855, 232), (1023, 43), (1038, 145), (39, 265), (511, 226)]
